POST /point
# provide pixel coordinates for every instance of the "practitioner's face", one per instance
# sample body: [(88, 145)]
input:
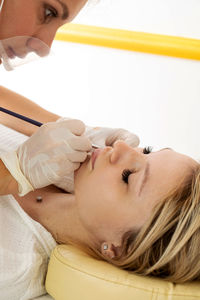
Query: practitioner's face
[(36, 18), (109, 203)]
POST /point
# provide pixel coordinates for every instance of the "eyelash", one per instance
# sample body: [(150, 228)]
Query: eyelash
[(52, 13), (126, 173), (147, 150)]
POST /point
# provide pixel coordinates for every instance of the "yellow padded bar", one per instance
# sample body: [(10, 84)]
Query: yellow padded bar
[(73, 275), (130, 40)]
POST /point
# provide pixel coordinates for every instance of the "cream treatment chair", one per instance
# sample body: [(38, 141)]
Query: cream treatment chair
[(73, 275)]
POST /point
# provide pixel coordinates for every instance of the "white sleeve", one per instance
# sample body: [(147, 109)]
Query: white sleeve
[(10, 139), (25, 248), (25, 245)]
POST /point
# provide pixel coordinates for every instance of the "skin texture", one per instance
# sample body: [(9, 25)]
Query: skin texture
[(107, 205), (104, 206), (35, 18)]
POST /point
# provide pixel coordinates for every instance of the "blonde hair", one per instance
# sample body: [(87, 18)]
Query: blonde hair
[(167, 246)]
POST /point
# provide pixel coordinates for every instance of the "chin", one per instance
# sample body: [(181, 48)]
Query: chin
[(79, 174)]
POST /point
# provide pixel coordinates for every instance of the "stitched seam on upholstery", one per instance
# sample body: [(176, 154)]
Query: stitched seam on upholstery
[(154, 295), (124, 284), (170, 294)]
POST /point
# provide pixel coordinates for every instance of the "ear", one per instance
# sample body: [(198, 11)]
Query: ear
[(109, 250)]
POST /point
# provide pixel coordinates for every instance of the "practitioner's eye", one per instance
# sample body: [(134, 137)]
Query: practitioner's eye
[(125, 175), (49, 13), (147, 150)]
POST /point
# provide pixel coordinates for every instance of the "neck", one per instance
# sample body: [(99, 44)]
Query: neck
[(56, 212)]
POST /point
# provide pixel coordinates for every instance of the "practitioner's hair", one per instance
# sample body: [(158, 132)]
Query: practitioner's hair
[(167, 246)]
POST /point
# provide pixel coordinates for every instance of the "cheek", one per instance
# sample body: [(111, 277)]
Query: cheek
[(92, 196), (18, 27), (19, 18), (99, 206), (24, 26)]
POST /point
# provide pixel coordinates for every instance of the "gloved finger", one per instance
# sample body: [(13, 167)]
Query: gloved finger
[(77, 127), (81, 143), (64, 129), (77, 156), (124, 135), (66, 183), (61, 119), (133, 141), (62, 153), (115, 135), (68, 168)]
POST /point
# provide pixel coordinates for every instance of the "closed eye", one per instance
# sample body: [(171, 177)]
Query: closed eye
[(147, 150), (125, 175)]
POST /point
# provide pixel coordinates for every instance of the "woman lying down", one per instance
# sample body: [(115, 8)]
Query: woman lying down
[(138, 210)]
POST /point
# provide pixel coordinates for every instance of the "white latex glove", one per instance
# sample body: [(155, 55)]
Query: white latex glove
[(103, 136), (49, 156)]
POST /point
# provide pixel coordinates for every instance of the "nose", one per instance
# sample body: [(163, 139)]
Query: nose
[(122, 151), (41, 42), (37, 46)]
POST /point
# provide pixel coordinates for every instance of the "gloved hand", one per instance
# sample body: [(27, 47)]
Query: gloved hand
[(103, 136), (49, 156)]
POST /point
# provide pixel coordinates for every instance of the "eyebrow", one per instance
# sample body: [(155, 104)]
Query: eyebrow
[(145, 178), (146, 173), (65, 13), (166, 149)]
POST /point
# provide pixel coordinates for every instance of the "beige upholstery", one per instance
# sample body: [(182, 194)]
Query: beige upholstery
[(72, 275)]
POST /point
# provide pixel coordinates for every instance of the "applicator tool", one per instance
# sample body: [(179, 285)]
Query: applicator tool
[(28, 120)]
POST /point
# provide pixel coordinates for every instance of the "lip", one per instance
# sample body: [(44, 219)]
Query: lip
[(94, 156)]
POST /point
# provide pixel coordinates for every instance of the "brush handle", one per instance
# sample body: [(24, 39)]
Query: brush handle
[(12, 113)]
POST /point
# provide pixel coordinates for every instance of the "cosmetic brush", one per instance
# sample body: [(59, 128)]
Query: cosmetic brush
[(28, 120)]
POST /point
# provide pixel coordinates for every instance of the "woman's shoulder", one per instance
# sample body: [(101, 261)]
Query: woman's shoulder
[(24, 250), (18, 226), (10, 139)]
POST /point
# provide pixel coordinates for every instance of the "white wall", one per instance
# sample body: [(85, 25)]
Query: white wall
[(155, 96), (172, 17)]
